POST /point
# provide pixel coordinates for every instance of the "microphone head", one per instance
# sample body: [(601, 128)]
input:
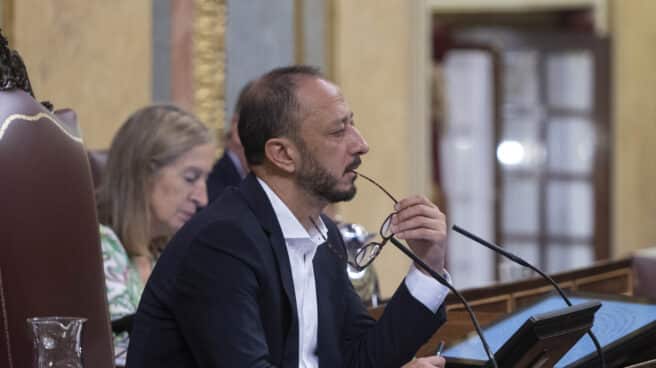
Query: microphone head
[(354, 235)]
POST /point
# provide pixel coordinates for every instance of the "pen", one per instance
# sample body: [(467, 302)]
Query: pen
[(440, 347)]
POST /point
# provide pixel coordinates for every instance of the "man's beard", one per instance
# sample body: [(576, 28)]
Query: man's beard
[(317, 181)]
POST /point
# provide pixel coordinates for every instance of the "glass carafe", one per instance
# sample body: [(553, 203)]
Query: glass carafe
[(57, 341)]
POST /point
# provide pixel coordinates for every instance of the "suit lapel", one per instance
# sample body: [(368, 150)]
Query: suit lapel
[(327, 298), (259, 203), (326, 278), (324, 311)]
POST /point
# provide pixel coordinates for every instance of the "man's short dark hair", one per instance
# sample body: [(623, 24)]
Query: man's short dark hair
[(241, 97), (270, 109)]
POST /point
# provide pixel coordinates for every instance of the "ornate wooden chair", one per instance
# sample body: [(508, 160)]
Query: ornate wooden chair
[(50, 258)]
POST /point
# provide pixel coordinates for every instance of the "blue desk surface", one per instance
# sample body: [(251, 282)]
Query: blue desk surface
[(614, 320)]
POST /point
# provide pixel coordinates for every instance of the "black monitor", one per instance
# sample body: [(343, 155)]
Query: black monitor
[(624, 326), (545, 338), (541, 340)]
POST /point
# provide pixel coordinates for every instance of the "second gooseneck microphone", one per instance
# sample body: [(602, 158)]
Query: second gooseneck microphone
[(522, 262), (444, 282)]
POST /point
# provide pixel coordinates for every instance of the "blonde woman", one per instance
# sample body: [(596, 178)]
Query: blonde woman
[(154, 181)]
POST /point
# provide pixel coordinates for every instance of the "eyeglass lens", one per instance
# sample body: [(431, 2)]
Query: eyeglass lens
[(385, 228), (367, 254)]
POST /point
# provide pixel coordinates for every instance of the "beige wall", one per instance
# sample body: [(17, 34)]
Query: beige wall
[(371, 48), (634, 102), (91, 55)]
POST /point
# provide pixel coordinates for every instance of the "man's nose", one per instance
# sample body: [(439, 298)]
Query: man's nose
[(360, 144)]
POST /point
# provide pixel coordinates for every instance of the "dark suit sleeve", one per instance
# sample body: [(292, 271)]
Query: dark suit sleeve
[(217, 307), (224, 174), (394, 339)]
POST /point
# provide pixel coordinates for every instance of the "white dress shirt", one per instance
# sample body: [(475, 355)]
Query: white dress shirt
[(301, 248)]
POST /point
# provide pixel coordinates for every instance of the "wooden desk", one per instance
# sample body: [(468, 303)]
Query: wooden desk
[(644, 265), (494, 302)]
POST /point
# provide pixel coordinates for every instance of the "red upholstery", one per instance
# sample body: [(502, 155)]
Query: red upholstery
[(97, 158), (50, 258)]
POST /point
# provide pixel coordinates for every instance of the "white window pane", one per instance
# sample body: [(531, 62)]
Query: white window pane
[(470, 264), (520, 146), (570, 80), (520, 206), (571, 144), (521, 78), (563, 257), (468, 89), (511, 271), (467, 168), (570, 209)]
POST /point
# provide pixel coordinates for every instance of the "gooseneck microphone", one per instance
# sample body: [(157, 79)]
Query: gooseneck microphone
[(522, 262), (444, 282)]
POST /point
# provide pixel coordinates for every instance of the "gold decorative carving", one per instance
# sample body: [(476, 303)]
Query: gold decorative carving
[(33, 118), (209, 63)]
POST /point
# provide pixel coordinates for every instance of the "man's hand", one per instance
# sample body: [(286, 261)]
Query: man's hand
[(419, 222), (427, 362)]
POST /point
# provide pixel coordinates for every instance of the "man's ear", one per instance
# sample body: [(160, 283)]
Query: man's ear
[(282, 153)]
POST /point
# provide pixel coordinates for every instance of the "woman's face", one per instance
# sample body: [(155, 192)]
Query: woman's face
[(178, 190)]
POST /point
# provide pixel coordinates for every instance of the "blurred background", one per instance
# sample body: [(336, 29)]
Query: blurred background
[(529, 122)]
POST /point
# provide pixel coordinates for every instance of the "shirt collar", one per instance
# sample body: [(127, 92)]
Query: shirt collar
[(289, 224)]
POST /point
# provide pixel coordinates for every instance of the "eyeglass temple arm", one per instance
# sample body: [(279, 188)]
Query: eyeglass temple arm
[(316, 227), (372, 181), (444, 282)]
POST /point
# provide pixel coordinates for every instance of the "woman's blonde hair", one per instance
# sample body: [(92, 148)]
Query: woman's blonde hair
[(151, 138)]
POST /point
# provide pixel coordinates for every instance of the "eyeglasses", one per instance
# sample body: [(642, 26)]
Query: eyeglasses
[(361, 258)]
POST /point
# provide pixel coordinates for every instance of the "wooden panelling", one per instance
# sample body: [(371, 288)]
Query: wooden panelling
[(495, 304), (614, 282), (492, 303)]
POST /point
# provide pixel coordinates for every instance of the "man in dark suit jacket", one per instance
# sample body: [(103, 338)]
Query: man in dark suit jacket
[(231, 168), (225, 173), (249, 282)]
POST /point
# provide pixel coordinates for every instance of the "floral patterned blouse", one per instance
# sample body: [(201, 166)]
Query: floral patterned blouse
[(124, 286)]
